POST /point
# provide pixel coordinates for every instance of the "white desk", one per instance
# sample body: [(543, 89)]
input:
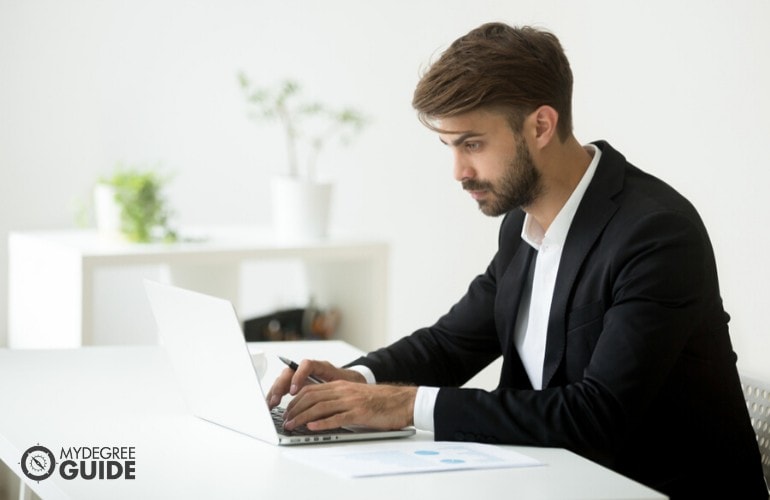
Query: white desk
[(99, 396), (73, 288)]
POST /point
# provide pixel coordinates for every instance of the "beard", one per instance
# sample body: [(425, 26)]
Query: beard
[(519, 186)]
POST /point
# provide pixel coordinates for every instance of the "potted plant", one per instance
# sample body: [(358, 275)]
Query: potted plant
[(300, 201), (131, 203)]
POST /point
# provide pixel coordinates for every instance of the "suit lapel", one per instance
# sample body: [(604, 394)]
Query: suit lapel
[(511, 287), (594, 211)]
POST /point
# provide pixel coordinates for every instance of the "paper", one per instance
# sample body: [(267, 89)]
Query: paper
[(404, 457)]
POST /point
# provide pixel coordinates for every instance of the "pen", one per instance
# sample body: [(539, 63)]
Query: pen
[(291, 364)]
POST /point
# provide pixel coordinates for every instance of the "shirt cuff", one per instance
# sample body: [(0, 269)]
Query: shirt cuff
[(366, 372), (424, 403)]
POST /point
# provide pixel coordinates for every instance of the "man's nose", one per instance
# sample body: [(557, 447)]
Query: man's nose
[(462, 168)]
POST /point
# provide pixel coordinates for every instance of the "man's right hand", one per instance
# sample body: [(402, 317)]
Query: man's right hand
[(290, 381)]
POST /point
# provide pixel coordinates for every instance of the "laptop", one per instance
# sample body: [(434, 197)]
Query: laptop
[(207, 350)]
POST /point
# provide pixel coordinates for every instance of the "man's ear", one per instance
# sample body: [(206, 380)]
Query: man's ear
[(546, 119)]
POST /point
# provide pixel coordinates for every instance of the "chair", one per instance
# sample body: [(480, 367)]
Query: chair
[(757, 394)]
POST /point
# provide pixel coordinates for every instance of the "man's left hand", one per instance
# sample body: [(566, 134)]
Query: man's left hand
[(341, 403)]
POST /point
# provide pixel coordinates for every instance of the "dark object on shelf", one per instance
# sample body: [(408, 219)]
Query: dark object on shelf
[(292, 324)]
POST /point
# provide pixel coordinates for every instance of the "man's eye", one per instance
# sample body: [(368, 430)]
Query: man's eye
[(472, 146)]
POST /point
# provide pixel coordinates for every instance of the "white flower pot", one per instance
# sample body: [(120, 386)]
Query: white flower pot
[(300, 209), (107, 211)]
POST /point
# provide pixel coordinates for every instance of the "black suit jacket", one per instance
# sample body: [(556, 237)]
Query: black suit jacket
[(639, 371)]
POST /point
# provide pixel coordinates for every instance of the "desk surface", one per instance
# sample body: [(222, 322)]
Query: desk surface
[(127, 396)]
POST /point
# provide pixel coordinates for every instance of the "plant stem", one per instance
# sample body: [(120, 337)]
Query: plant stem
[(291, 140)]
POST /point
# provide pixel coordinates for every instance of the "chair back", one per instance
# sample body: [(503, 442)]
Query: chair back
[(757, 394)]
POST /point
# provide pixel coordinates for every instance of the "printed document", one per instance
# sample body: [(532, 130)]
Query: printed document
[(408, 457)]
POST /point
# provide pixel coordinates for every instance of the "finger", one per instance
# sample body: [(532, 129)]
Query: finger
[(312, 372), (279, 388), (330, 422), (301, 377), (331, 410), (304, 399), (311, 395)]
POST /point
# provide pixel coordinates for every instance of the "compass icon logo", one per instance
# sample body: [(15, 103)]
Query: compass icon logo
[(38, 463)]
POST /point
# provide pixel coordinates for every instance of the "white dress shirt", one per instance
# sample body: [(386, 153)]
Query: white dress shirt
[(535, 306), (532, 321)]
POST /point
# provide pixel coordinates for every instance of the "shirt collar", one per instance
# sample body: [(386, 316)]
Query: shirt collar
[(533, 233)]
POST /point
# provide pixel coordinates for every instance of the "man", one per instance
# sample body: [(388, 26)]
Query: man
[(603, 297)]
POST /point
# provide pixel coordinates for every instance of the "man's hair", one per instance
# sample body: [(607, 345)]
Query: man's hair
[(513, 70)]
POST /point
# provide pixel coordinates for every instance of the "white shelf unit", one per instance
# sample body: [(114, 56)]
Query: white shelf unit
[(76, 287)]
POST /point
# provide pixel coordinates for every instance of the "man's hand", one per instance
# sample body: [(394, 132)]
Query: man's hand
[(341, 403), (290, 382)]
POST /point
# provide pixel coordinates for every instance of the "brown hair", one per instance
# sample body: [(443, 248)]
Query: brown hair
[(511, 69)]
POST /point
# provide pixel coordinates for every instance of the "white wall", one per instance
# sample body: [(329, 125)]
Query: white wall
[(679, 87)]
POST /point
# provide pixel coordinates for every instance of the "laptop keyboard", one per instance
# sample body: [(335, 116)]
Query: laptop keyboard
[(277, 414)]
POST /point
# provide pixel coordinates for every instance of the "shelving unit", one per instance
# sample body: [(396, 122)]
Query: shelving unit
[(76, 287)]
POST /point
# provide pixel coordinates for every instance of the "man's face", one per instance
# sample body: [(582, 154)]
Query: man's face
[(491, 162)]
